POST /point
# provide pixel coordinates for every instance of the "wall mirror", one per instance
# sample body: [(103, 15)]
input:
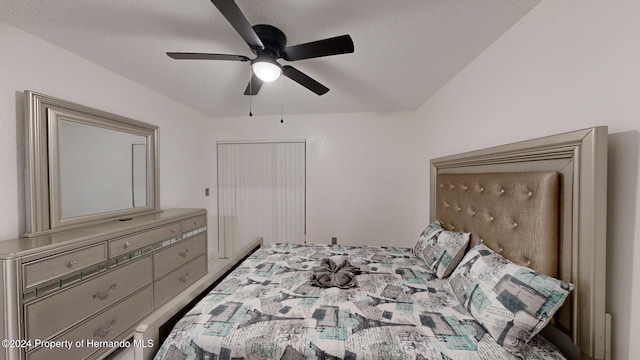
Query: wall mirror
[(85, 165)]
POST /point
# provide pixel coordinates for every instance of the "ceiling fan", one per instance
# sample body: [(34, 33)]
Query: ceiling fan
[(268, 43)]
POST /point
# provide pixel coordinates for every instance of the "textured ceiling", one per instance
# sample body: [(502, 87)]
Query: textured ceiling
[(405, 50)]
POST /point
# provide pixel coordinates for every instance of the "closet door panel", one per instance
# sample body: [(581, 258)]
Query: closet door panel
[(261, 193)]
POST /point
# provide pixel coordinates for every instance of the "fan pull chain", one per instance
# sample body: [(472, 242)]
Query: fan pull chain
[(250, 88), (281, 102)]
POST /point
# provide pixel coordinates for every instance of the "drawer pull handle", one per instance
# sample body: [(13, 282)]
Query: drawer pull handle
[(72, 263), (184, 279), (173, 230), (103, 332), (184, 253), (103, 295), (127, 244), (195, 223)]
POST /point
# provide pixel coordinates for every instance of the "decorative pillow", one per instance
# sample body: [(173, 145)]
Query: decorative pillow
[(511, 301), (440, 249), (431, 229), (426, 234)]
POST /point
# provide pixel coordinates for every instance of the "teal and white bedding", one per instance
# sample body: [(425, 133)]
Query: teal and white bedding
[(267, 309)]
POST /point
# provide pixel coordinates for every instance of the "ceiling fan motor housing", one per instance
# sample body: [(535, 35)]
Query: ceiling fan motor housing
[(272, 38)]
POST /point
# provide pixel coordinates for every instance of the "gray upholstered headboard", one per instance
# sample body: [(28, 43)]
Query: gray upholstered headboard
[(515, 214), (576, 163)]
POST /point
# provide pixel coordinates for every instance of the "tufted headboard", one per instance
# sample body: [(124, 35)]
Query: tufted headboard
[(540, 203), (515, 214)]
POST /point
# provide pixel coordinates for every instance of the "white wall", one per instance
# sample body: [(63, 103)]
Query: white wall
[(566, 65), (360, 171), (28, 63)]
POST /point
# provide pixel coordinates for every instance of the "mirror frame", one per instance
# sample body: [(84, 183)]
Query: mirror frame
[(42, 181)]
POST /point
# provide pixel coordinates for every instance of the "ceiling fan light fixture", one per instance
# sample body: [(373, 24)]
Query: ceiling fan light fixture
[(266, 69)]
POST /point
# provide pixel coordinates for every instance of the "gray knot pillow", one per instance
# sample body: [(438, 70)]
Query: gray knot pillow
[(329, 274)]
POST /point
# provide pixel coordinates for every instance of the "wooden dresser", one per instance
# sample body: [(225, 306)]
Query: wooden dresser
[(74, 294)]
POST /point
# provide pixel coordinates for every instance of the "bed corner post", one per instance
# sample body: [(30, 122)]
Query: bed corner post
[(433, 172), (592, 244)]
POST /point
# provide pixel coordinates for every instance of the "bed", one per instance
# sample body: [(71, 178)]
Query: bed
[(536, 206)]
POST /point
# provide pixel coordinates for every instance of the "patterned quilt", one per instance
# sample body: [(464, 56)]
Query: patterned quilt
[(267, 309)]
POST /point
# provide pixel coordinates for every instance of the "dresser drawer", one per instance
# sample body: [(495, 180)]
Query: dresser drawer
[(124, 245), (103, 327), (53, 267), (179, 254), (54, 313), (194, 223), (179, 280)]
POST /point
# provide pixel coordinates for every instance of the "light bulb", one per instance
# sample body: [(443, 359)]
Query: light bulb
[(266, 70)]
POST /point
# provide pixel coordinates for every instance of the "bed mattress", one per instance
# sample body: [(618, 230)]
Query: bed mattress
[(267, 309)]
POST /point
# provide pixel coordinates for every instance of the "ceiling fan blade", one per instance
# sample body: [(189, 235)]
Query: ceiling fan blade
[(254, 86), (327, 47), (236, 18), (204, 56), (304, 80)]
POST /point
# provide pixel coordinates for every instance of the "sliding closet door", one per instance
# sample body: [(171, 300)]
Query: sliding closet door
[(261, 192)]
